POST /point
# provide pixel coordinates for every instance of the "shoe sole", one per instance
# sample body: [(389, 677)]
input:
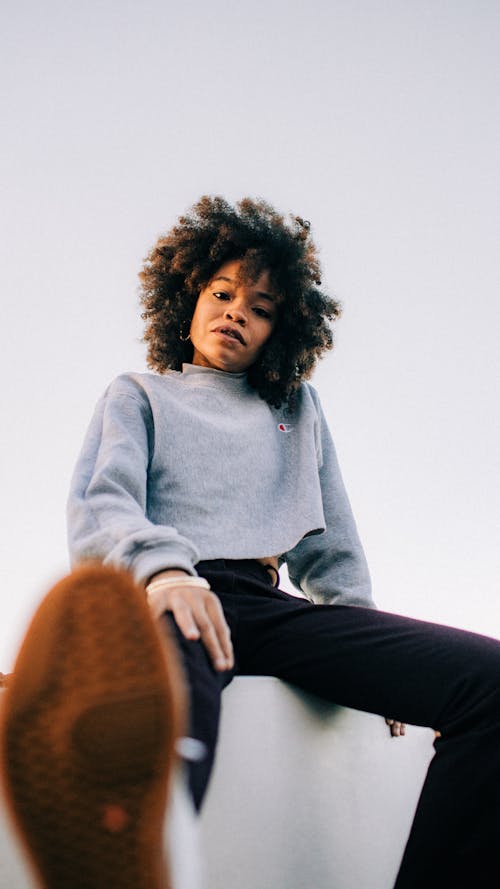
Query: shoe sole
[(89, 725)]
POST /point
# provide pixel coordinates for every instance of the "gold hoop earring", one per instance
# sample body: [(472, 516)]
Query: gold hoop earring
[(184, 339)]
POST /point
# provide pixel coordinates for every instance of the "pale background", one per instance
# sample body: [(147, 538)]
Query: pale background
[(379, 122)]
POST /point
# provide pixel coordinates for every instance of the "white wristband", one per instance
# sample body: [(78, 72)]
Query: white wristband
[(178, 581), (157, 591)]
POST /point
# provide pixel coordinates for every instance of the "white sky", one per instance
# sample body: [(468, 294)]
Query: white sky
[(379, 122)]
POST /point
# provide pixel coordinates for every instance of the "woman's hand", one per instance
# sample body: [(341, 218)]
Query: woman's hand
[(198, 614), (398, 729)]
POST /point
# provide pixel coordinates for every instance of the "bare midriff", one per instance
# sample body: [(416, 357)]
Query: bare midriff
[(272, 560)]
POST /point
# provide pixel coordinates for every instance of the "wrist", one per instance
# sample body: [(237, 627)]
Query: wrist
[(167, 572), (158, 591)]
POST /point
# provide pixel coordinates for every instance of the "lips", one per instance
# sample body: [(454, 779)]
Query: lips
[(232, 332)]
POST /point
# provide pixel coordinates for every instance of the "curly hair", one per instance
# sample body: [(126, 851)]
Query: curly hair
[(184, 260)]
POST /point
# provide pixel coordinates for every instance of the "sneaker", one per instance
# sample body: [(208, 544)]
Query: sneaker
[(90, 721)]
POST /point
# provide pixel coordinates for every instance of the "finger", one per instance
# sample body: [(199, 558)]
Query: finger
[(210, 638), (191, 613), (397, 729), (184, 619), (216, 613)]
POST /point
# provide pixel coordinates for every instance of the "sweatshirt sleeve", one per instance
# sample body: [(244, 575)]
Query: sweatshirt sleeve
[(330, 567), (107, 502)]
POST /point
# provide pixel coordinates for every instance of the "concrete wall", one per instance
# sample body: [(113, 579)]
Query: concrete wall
[(304, 795)]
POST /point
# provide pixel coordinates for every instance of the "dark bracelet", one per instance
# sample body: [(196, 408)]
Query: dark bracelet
[(267, 567)]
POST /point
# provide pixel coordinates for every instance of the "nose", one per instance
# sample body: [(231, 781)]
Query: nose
[(236, 313)]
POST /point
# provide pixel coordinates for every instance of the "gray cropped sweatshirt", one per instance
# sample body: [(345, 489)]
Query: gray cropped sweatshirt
[(183, 467)]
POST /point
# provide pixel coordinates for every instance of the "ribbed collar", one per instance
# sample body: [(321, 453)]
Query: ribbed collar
[(198, 375)]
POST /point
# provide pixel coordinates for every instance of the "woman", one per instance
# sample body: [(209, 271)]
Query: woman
[(202, 478)]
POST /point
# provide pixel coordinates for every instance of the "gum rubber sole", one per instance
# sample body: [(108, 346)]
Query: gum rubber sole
[(89, 723)]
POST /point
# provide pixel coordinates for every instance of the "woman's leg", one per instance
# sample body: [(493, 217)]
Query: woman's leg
[(414, 671), (204, 686)]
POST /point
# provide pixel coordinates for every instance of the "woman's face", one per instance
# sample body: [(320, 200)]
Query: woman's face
[(233, 320)]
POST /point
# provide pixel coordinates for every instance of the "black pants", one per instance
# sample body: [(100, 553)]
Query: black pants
[(417, 672)]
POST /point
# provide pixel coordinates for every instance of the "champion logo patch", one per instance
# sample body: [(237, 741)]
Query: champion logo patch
[(284, 427)]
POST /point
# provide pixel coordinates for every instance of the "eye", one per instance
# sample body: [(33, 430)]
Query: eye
[(262, 313), (221, 294)]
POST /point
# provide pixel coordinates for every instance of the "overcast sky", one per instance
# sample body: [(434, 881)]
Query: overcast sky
[(377, 121)]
